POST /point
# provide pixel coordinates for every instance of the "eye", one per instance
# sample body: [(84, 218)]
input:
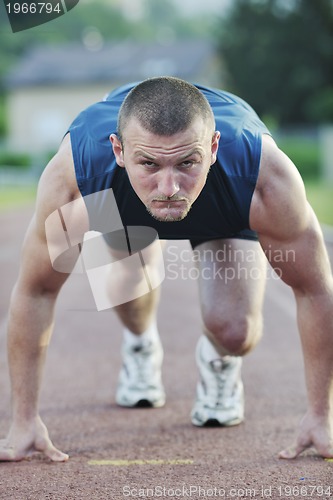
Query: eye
[(149, 164), (187, 163)]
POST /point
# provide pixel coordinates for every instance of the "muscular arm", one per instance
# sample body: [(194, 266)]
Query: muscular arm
[(31, 314), (287, 227)]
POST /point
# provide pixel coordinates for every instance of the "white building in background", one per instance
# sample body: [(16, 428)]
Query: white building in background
[(52, 84)]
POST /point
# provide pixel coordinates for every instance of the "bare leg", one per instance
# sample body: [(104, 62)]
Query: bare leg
[(30, 327), (231, 301), (140, 381), (139, 313), (232, 282)]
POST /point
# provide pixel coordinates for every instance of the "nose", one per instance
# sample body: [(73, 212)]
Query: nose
[(168, 184)]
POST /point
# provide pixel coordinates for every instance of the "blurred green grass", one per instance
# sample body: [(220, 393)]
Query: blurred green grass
[(305, 153), (320, 196), (16, 197)]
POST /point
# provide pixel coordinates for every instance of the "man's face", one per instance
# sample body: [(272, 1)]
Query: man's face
[(167, 172)]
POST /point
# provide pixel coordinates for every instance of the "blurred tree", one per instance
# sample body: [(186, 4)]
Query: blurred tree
[(105, 17), (163, 22), (278, 55), (93, 22), (108, 19)]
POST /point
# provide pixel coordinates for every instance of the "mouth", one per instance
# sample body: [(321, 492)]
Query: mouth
[(169, 203), (169, 210)]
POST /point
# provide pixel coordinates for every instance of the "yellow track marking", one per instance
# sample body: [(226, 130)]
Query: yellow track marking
[(126, 463)]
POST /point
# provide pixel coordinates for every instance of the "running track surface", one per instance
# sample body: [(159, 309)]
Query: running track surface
[(120, 453)]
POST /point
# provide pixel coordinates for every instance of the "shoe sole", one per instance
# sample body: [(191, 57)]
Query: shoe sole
[(145, 403), (142, 403), (213, 422)]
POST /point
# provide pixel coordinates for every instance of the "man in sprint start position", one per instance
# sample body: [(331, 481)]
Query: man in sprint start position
[(192, 163)]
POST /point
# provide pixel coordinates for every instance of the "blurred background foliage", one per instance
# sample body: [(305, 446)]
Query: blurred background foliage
[(113, 20), (279, 57), (276, 54), (155, 19)]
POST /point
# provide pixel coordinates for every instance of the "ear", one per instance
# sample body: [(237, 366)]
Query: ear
[(117, 150), (215, 146)]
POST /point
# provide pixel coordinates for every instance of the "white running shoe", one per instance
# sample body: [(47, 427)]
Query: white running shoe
[(140, 383), (220, 395)]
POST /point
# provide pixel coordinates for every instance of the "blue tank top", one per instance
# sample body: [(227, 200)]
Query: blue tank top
[(222, 208)]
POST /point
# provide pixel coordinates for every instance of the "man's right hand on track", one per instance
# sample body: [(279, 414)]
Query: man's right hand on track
[(314, 432), (25, 439)]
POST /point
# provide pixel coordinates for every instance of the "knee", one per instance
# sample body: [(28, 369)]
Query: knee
[(238, 335)]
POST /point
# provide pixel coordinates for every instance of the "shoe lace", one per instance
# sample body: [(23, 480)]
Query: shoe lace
[(138, 365), (219, 390)]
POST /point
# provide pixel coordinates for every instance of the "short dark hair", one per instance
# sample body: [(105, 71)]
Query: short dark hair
[(164, 106)]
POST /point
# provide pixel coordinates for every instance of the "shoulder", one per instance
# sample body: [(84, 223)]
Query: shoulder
[(93, 119), (58, 189), (58, 185), (238, 123), (279, 207), (90, 133)]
